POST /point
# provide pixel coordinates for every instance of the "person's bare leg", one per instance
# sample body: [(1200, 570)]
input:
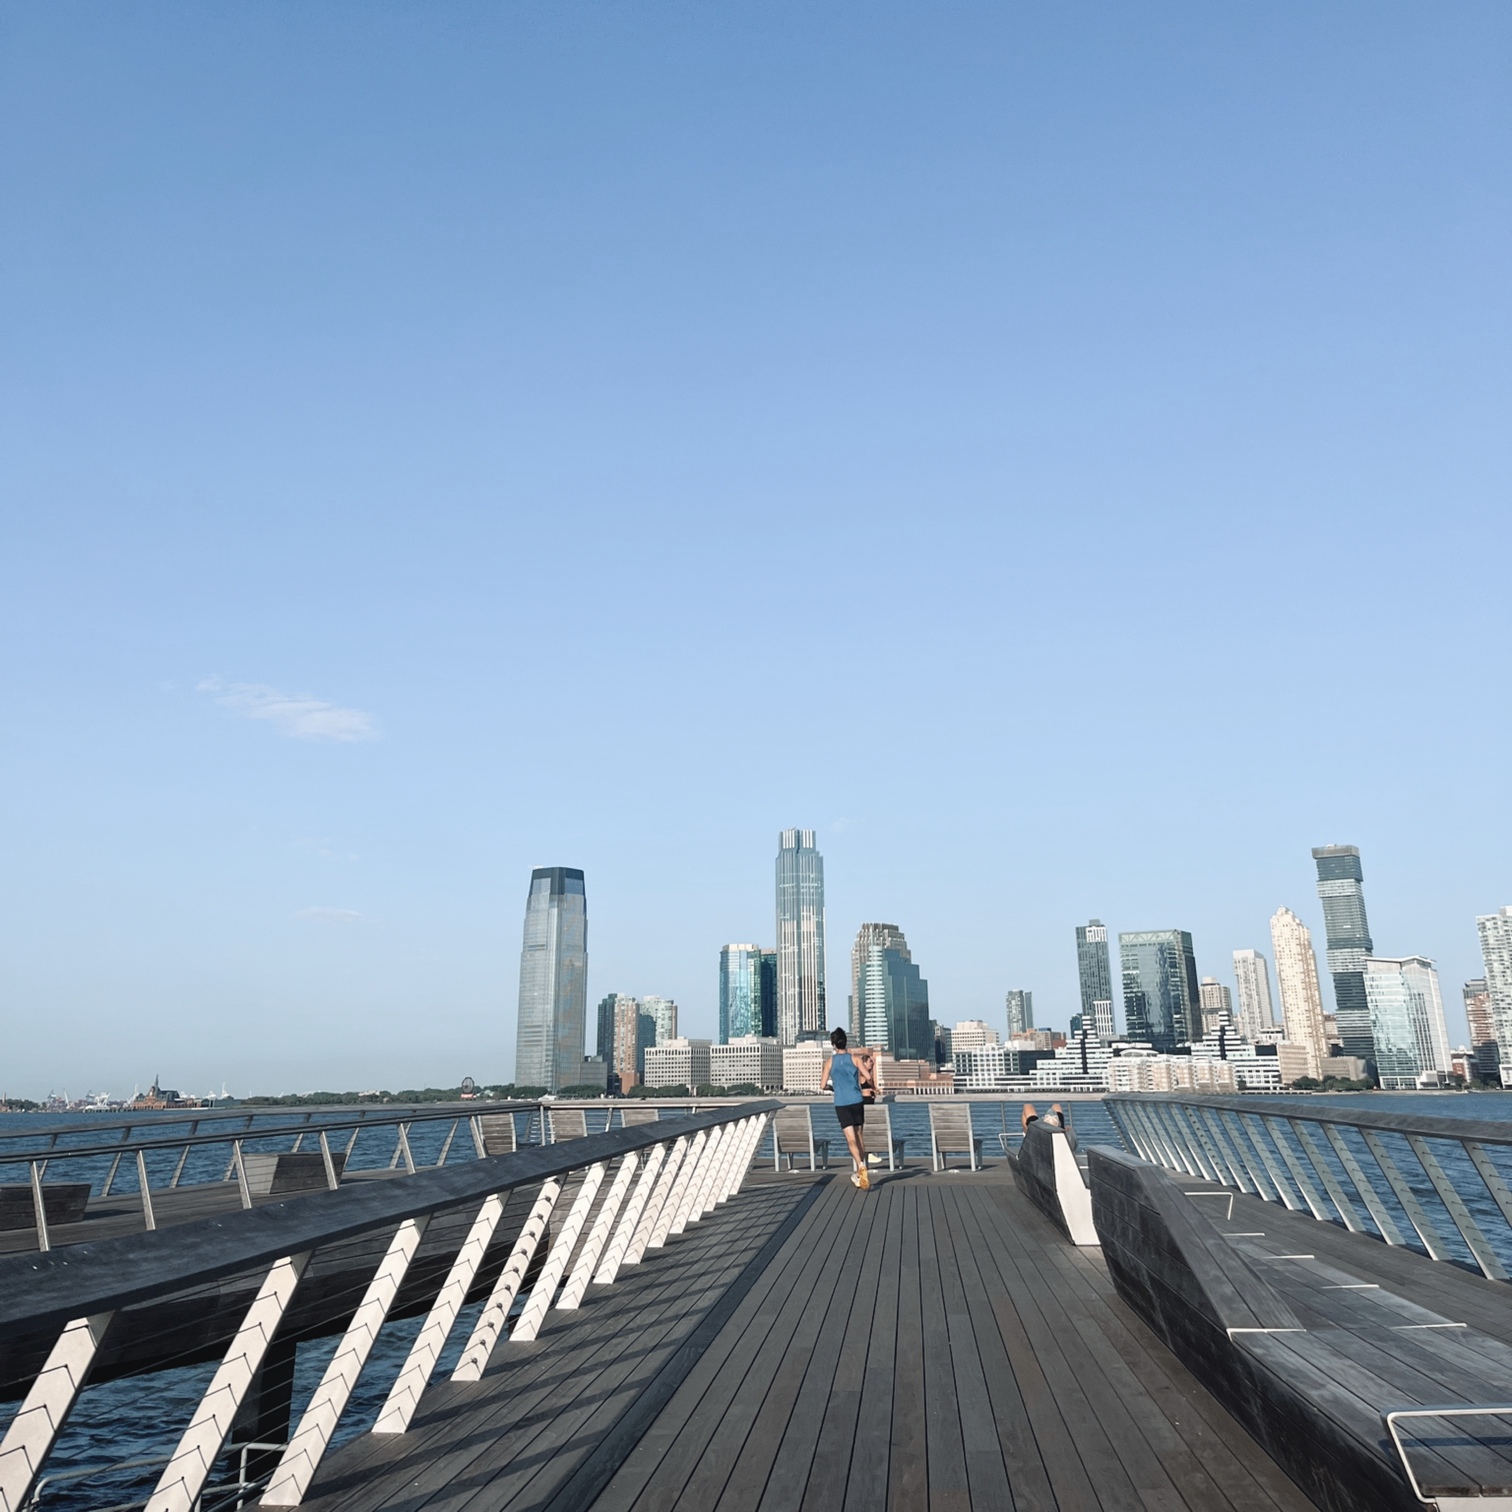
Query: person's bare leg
[(857, 1148), (1029, 1115)]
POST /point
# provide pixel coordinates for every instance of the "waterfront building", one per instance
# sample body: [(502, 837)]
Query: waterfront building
[(1342, 893), (1482, 1022), (995, 1068), (800, 937), (803, 1066), (917, 1077), (892, 1003), (1495, 932), (634, 1034), (750, 1060), (1020, 1005), (1257, 1016), (1217, 1005), (1406, 1021), (603, 1044), (1094, 970), (1297, 977), (888, 937), (1079, 1065), (747, 992), (594, 1073), (678, 1062), (1148, 1072), (1161, 1003), (943, 1048), (1331, 1034), (663, 1014), (553, 1003), (1256, 1067), (971, 1034)]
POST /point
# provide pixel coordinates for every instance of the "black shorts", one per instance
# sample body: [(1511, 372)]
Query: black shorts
[(851, 1115)]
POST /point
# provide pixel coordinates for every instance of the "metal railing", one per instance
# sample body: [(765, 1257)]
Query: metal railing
[(1438, 1184), (666, 1175), (235, 1132)]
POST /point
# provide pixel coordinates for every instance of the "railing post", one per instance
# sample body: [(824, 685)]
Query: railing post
[(36, 1426), (708, 1172), (405, 1394), (1211, 1137), (300, 1460), (39, 1209), (672, 1207), (636, 1249), (740, 1133), (1278, 1136), (543, 1293), (495, 1315), (148, 1220), (598, 1236), (1491, 1176), (475, 1125), (1194, 1143), (1242, 1124), (1432, 1240), (625, 1233), (1363, 1189), (446, 1144), (184, 1478), (1159, 1151), (1459, 1214), (332, 1179), (1336, 1194)]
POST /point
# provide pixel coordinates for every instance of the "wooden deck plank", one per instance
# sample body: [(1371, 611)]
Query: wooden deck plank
[(908, 1477), (949, 1489)]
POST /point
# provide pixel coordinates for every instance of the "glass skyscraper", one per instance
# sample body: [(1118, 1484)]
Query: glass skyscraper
[(1406, 1019), (1095, 970), (1341, 890), (553, 980), (889, 937), (1161, 1003), (1020, 1006), (893, 1001), (747, 992), (800, 938)]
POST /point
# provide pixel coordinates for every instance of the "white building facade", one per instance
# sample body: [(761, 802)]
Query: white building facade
[(1406, 1020), (1495, 932), (747, 1060), (1297, 977), (1256, 1015), (678, 1063)]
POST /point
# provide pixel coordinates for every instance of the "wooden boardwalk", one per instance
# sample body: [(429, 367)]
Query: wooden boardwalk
[(933, 1344)]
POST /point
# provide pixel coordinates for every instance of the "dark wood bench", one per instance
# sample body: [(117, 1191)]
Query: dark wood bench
[(62, 1202), (1318, 1367), (284, 1173)]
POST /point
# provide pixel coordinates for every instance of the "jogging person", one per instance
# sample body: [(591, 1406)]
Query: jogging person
[(843, 1075)]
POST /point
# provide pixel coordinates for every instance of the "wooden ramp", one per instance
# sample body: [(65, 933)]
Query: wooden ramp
[(933, 1344)]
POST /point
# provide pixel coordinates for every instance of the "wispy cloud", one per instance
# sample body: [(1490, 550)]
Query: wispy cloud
[(331, 915), (294, 714)]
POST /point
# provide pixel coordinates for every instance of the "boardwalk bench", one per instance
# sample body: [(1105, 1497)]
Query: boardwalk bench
[(284, 1173), (950, 1134), (630, 1116), (62, 1202), (567, 1123), (1046, 1172), (877, 1137), (498, 1133), (793, 1135), (1318, 1366)]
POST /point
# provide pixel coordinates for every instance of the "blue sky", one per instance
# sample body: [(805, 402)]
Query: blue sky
[(1058, 453)]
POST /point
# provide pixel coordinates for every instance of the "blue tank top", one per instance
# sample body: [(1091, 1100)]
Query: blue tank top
[(845, 1079)]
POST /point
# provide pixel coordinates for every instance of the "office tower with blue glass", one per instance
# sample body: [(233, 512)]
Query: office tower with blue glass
[(893, 998), (800, 938), (1095, 971), (884, 936), (1161, 1001), (553, 980), (747, 992), (1342, 893), (1406, 1021), (1020, 1005)]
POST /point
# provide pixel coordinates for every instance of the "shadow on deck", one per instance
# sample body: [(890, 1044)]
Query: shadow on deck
[(932, 1344)]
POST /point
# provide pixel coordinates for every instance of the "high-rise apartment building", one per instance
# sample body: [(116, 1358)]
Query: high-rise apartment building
[(1495, 932), (553, 980), (1482, 1024), (663, 1014), (1406, 1019), (1161, 1003), (1095, 971), (972, 1034), (1020, 1005), (1217, 1005), (634, 1034), (1341, 890), (747, 992), (892, 1006), (1257, 1018), (800, 937), (888, 937), (1301, 997), (603, 1041)]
